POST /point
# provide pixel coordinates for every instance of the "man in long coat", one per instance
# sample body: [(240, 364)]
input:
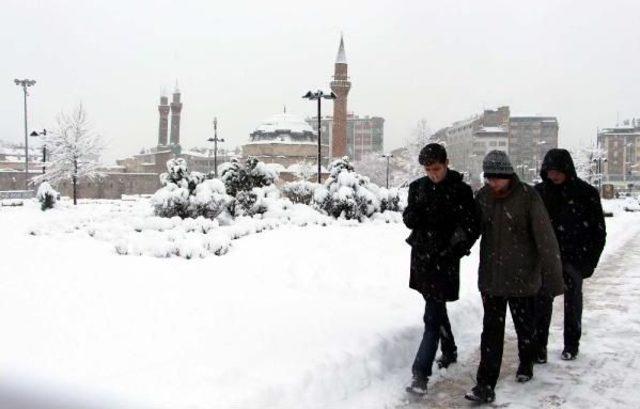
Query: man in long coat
[(578, 222), (445, 224)]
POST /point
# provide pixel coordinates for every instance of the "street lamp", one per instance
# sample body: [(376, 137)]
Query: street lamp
[(388, 156), (25, 83), (44, 147), (215, 141), (599, 161), (318, 95)]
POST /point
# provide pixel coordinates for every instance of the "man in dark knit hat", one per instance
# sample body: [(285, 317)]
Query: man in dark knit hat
[(444, 223), (576, 214), (518, 255)]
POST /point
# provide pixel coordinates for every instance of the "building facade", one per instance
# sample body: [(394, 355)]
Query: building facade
[(530, 137), (365, 135), (287, 140), (525, 138), (621, 146)]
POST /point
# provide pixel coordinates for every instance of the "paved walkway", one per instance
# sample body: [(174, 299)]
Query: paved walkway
[(605, 375)]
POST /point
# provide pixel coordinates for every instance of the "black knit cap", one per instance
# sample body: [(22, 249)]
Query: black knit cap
[(432, 153)]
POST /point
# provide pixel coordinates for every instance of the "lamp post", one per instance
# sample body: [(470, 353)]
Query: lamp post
[(25, 83), (215, 141), (44, 148), (318, 95), (599, 164), (388, 156)]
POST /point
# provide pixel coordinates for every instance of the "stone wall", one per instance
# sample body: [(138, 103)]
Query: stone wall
[(112, 186)]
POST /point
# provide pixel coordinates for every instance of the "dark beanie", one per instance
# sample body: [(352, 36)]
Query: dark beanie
[(497, 164), (432, 153)]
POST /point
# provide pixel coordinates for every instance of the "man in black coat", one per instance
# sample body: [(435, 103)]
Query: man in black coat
[(445, 224), (576, 214)]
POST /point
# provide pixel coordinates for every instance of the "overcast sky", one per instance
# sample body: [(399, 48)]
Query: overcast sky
[(243, 60)]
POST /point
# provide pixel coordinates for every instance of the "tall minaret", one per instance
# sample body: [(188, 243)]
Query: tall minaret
[(340, 86), (176, 108), (163, 128)]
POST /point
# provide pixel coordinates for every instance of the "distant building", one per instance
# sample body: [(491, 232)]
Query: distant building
[(622, 149), (525, 138), (530, 137), (154, 160), (365, 135), (285, 140), (12, 158)]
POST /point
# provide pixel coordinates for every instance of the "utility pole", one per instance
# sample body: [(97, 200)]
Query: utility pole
[(215, 141), (388, 156), (25, 83)]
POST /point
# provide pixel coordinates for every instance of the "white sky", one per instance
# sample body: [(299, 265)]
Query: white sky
[(243, 60)]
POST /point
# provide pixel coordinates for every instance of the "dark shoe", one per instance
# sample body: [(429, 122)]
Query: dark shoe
[(482, 394), (446, 359), (569, 355), (541, 356), (418, 386), (525, 372)]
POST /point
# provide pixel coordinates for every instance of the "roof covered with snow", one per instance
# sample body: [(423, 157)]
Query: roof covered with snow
[(284, 122)]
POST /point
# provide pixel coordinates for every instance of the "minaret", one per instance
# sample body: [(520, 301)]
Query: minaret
[(176, 108), (163, 128), (340, 86)]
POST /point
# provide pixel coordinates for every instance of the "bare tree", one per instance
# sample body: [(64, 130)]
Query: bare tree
[(589, 162), (74, 151), (406, 160), (373, 166), (305, 170)]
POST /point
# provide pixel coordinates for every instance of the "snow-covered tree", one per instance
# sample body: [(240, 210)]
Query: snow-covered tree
[(73, 151), (254, 174), (305, 170), (586, 163), (300, 191), (189, 194), (349, 195), (374, 166), (47, 196)]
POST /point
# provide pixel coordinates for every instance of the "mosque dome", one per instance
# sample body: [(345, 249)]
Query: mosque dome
[(283, 128)]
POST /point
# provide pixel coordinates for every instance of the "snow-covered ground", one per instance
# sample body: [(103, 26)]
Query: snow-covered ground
[(301, 315)]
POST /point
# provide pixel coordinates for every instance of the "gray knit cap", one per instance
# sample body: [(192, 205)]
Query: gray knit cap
[(497, 163)]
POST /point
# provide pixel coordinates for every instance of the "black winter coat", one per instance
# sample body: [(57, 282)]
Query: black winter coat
[(445, 224), (575, 211)]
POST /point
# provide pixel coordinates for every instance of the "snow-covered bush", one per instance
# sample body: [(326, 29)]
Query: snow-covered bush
[(171, 201), (300, 191), (257, 201), (189, 194), (389, 198), (349, 195), (254, 174), (209, 199), (47, 196)]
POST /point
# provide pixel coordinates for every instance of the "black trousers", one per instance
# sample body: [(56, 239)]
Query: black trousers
[(437, 328), (572, 312), (492, 340)]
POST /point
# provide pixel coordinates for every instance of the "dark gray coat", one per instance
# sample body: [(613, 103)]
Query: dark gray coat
[(518, 250)]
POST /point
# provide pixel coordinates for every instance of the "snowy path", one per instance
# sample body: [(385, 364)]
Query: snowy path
[(298, 317), (607, 372)]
